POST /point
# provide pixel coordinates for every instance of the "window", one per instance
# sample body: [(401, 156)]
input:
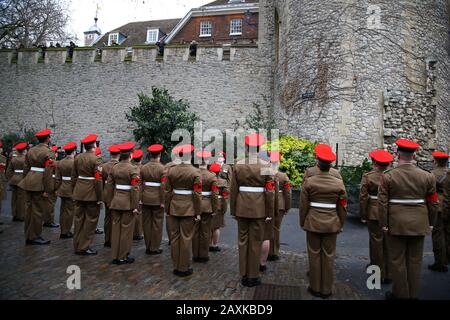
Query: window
[(113, 38), (205, 28), (236, 27), (152, 35)]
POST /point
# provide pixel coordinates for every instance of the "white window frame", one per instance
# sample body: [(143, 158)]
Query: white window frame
[(111, 36), (234, 25), (152, 31), (202, 28)]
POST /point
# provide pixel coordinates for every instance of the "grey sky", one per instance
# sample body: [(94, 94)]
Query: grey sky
[(114, 13)]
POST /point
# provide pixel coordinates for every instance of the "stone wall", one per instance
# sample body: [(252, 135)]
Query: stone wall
[(90, 95)]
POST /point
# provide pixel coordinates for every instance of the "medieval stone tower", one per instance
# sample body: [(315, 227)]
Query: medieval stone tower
[(361, 73)]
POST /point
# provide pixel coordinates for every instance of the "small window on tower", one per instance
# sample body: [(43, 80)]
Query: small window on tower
[(236, 27), (113, 39), (205, 28), (152, 35)]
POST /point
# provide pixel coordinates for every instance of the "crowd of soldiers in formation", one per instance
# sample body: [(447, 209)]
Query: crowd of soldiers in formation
[(400, 205)]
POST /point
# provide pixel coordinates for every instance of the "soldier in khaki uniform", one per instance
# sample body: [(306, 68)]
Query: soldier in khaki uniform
[(183, 202), (446, 213), (210, 193), (226, 171), (87, 183), (323, 208), (123, 193), (137, 161), (114, 153), (368, 203), (49, 216), (14, 174), (407, 206), (252, 200), (283, 202), (167, 167), (64, 190), (152, 199), (312, 171), (38, 183), (438, 234), (218, 220), (2, 176)]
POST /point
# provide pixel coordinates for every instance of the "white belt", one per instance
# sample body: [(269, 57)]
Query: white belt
[(53, 176), (373, 197), (152, 184), (182, 192), (280, 191), (206, 193), (322, 205), (86, 178), (123, 187), (37, 169), (67, 178), (252, 189), (18, 171), (219, 197), (407, 201)]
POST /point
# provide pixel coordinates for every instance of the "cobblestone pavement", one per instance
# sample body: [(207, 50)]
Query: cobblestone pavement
[(39, 272)]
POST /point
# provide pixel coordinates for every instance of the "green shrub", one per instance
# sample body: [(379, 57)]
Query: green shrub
[(12, 138), (353, 175)]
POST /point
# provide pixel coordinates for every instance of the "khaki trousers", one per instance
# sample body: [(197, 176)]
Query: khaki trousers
[(35, 208), (439, 243), (18, 202), (250, 238), (107, 224), (86, 218), (122, 233), (202, 236), (49, 216), (181, 234), (275, 241), (321, 255), (138, 226), (168, 226), (66, 212), (152, 223), (378, 248), (406, 261)]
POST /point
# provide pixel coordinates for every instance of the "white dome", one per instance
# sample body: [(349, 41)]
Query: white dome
[(94, 28)]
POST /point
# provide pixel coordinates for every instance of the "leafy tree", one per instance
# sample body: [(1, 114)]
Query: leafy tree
[(155, 118), (12, 138)]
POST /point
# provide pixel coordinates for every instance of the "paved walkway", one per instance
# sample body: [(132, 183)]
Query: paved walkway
[(39, 272)]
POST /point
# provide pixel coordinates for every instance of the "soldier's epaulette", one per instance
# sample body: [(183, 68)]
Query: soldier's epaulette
[(388, 170), (424, 169)]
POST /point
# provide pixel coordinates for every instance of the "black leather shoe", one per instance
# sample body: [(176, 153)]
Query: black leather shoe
[(98, 231), (325, 296), (138, 238), (262, 268), (202, 259), (116, 261), (244, 281), (438, 268), (150, 252), (107, 244), (88, 252), (66, 236), (38, 242), (314, 293), (51, 225), (252, 282), (129, 260), (273, 257), (185, 273), (214, 249)]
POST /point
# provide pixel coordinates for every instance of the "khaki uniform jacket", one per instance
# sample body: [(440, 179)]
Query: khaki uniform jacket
[(106, 169), (87, 165), (407, 181), (210, 204), (368, 207), (446, 196), (16, 163), (123, 173), (226, 172), (284, 192), (183, 176), (224, 193), (323, 188), (2, 177), (248, 173), (440, 174), (152, 171), (40, 156), (64, 169), (312, 171)]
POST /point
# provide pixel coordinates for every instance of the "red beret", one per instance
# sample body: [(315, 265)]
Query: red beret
[(222, 154), (127, 146), (381, 156), (215, 167), (185, 148), (155, 148), (89, 139), (322, 147), (21, 145), (114, 149), (203, 154), (98, 151), (440, 155), (275, 156), (55, 148), (254, 140), (137, 154), (326, 156), (407, 144), (43, 133), (70, 146)]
